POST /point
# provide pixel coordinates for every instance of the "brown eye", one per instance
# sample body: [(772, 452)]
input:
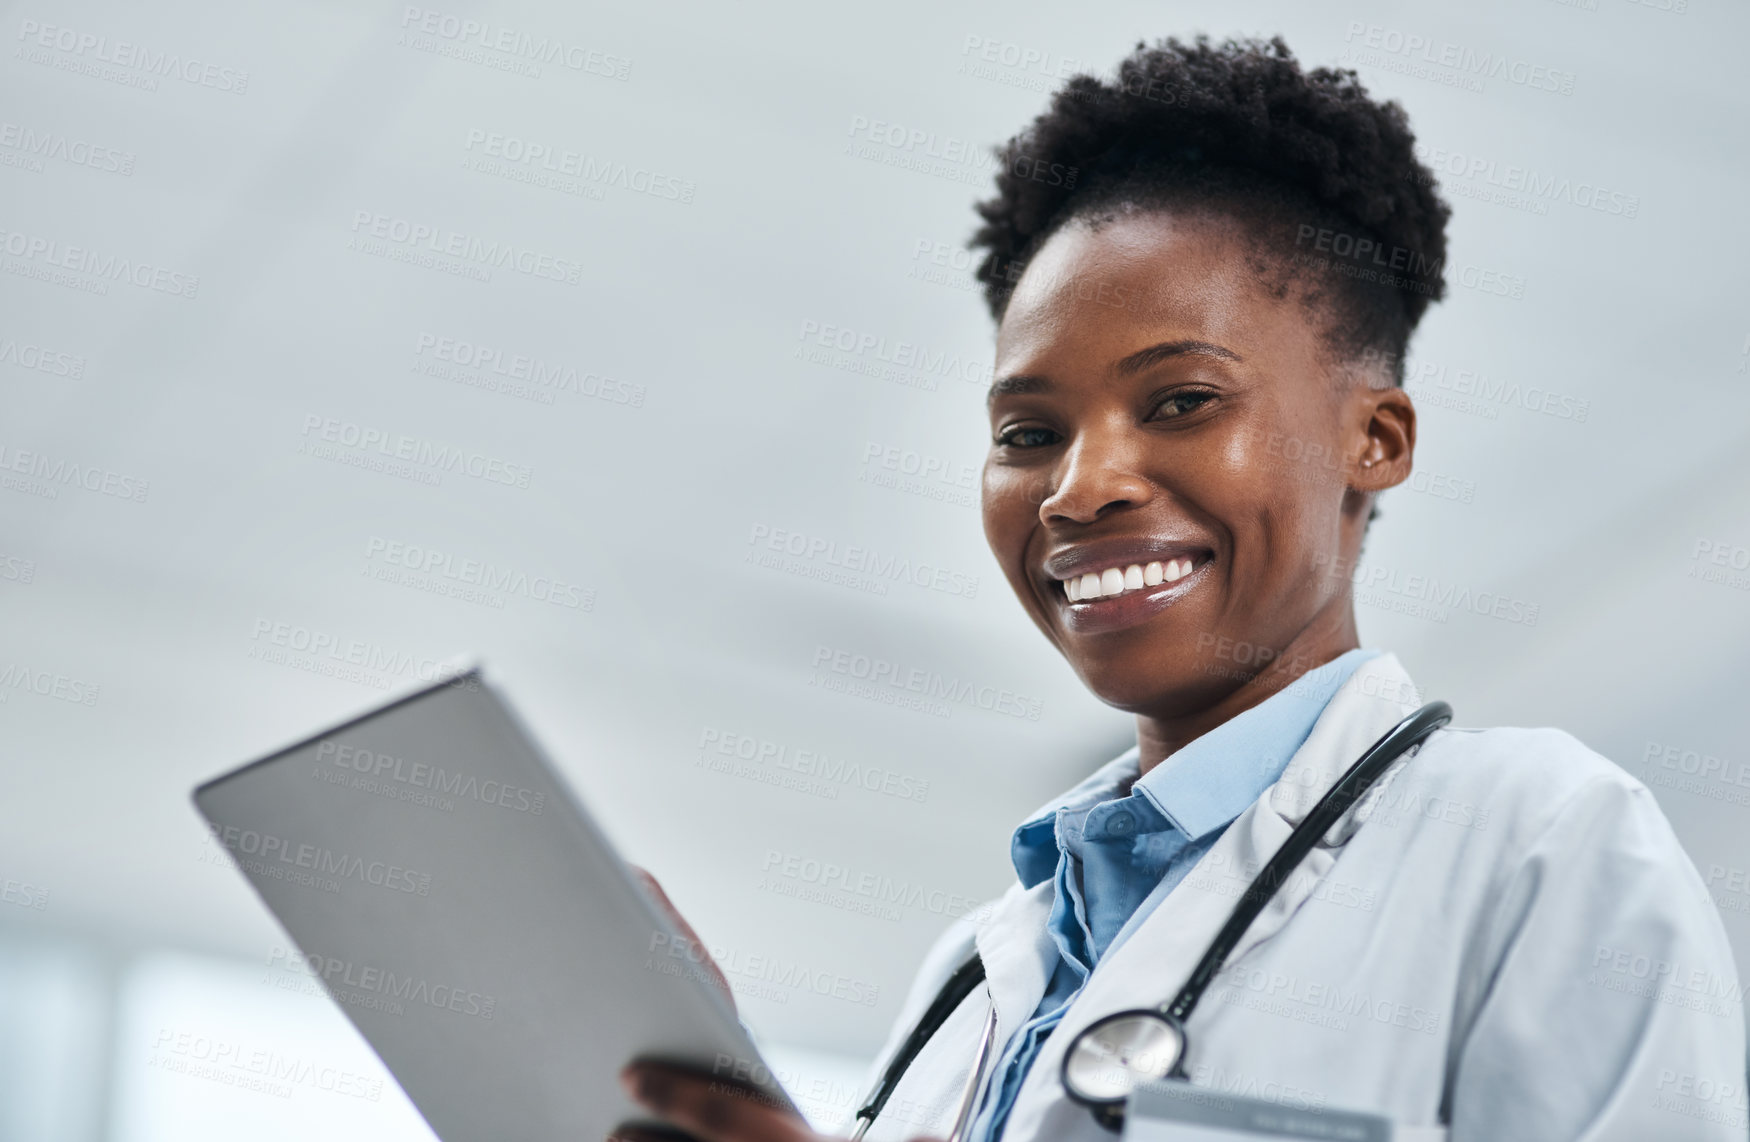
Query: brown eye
[(1026, 437), (1181, 403)]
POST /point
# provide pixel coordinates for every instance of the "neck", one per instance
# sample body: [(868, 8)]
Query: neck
[(1322, 640)]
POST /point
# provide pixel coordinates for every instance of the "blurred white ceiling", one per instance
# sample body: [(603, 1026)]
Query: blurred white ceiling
[(714, 219)]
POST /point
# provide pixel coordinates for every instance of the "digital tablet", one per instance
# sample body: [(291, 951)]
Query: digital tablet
[(468, 916)]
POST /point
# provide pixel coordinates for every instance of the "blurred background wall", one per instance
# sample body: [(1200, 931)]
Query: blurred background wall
[(264, 264)]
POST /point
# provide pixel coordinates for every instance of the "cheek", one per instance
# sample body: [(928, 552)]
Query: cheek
[(1009, 506), (1003, 503), (1279, 493)]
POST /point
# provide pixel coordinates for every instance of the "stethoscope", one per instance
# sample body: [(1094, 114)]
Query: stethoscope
[(1117, 1053)]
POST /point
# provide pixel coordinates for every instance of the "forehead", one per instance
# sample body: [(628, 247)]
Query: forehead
[(1142, 277)]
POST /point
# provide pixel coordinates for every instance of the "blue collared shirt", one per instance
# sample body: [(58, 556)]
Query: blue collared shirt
[(1116, 844)]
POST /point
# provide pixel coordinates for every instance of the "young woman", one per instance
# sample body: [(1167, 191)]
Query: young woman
[(1205, 272)]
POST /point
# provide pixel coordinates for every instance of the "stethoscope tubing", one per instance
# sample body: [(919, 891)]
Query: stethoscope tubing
[(1356, 780), (1350, 788)]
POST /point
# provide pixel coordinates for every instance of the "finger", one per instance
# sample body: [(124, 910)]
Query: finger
[(713, 1110), (646, 1133)]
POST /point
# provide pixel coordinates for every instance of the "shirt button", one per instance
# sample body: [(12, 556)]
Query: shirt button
[(1121, 824)]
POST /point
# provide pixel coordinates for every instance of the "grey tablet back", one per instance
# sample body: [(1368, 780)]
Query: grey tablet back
[(470, 919)]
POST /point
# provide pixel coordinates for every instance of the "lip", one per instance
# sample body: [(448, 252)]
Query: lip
[(1067, 562), (1114, 612)]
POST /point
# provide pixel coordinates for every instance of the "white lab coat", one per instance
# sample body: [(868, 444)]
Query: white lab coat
[(1506, 938)]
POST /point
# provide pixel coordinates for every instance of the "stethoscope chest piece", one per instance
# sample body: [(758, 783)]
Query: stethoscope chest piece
[(1112, 1056)]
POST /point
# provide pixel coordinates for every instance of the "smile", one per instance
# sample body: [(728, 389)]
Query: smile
[(1124, 594), (1091, 585)]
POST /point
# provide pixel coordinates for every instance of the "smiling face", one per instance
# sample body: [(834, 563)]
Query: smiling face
[(1178, 481)]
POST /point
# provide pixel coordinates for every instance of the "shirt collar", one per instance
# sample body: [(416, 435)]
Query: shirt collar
[(1205, 784)]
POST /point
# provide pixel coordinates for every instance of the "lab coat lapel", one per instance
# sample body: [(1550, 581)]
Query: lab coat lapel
[(1014, 941), (1150, 967)]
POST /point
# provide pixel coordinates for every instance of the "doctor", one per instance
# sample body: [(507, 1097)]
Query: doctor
[(1205, 274)]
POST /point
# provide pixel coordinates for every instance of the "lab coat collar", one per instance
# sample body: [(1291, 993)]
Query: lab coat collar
[(1195, 789), (1014, 941), (1149, 968)]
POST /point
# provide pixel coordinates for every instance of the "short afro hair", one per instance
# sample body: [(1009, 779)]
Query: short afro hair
[(1326, 178)]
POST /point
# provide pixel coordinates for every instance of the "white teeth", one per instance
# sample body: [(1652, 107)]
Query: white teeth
[(1117, 580)]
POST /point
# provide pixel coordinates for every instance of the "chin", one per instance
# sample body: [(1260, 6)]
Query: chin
[(1153, 688)]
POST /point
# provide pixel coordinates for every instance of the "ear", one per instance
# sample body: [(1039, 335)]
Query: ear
[(1383, 444)]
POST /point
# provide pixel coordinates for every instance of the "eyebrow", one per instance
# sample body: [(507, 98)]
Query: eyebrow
[(1022, 383), (1155, 354)]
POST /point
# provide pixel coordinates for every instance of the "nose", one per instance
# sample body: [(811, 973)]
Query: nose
[(1096, 475)]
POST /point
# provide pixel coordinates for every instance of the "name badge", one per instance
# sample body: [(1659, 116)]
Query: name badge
[(1176, 1111)]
